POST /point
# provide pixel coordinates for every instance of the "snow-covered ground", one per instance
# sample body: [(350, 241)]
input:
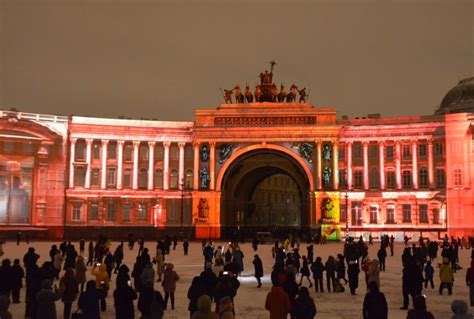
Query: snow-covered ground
[(250, 300)]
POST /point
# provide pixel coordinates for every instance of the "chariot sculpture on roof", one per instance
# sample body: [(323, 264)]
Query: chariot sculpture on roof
[(266, 91)]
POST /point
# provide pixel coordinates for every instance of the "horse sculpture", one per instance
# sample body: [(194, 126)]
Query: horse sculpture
[(248, 94), (257, 93), (239, 97), (282, 94), (291, 97), (274, 92)]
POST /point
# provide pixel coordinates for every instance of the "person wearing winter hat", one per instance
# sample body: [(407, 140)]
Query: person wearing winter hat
[(419, 309), (226, 308), (459, 308), (204, 305), (170, 277)]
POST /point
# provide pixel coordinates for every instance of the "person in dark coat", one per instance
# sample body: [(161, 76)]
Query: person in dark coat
[(6, 282), (419, 310), (185, 246), (353, 274), (124, 296), (71, 255), (304, 306), (340, 268), (305, 272), (330, 267), (89, 301), (382, 255), (69, 289), (46, 300), (118, 257), (82, 246), (317, 269), (209, 280), (17, 274), (207, 253), (109, 263), (375, 304), (412, 281), (257, 263), (122, 274), (196, 290), (33, 286), (30, 259), (145, 299), (137, 273), (52, 252), (291, 287)]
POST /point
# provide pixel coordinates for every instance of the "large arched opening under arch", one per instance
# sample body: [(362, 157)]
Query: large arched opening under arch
[(264, 189)]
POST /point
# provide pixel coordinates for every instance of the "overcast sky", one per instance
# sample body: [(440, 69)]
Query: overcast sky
[(165, 59)]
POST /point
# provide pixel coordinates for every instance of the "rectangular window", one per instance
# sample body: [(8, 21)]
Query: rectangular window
[(143, 152), (95, 178), (357, 150), (128, 153), (457, 177), (111, 211), (80, 150), (76, 211), (94, 212), (389, 152), (358, 179), (342, 178), (342, 152), (343, 209), (391, 214), (126, 212), (406, 213), (112, 150), (439, 149), (127, 179), (391, 180), (373, 214), (423, 177), (28, 148), (406, 179), (8, 147), (435, 216), (356, 217), (423, 208), (142, 211), (111, 178), (440, 178), (422, 150), (96, 151), (373, 151), (406, 151)]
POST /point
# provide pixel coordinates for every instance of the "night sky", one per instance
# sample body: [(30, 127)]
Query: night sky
[(165, 59)]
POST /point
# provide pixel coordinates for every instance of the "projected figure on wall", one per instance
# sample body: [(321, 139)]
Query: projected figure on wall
[(204, 153), (18, 203), (205, 179), (327, 152), (327, 176)]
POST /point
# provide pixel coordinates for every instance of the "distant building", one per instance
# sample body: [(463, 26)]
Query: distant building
[(244, 166)]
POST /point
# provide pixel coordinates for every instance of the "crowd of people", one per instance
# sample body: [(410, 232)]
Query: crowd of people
[(63, 276)]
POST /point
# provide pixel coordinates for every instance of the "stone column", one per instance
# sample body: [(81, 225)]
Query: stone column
[(103, 180), (72, 153), (87, 182), (365, 146), (430, 164), (349, 164), (335, 166), (382, 164), (318, 164), (212, 164), (196, 167), (166, 165), (414, 163), (181, 165), (398, 164), (120, 164), (151, 164), (136, 146)]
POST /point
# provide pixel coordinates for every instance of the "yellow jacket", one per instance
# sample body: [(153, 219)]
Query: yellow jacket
[(100, 276), (446, 274)]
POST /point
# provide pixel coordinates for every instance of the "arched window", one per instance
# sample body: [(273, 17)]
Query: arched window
[(188, 184), (79, 176), (174, 179), (158, 178), (143, 178), (374, 177)]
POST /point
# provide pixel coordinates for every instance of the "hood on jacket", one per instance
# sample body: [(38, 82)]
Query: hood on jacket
[(204, 303), (459, 307), (169, 266), (445, 260)]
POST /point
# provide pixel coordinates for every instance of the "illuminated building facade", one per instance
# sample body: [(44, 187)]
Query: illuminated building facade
[(257, 165)]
